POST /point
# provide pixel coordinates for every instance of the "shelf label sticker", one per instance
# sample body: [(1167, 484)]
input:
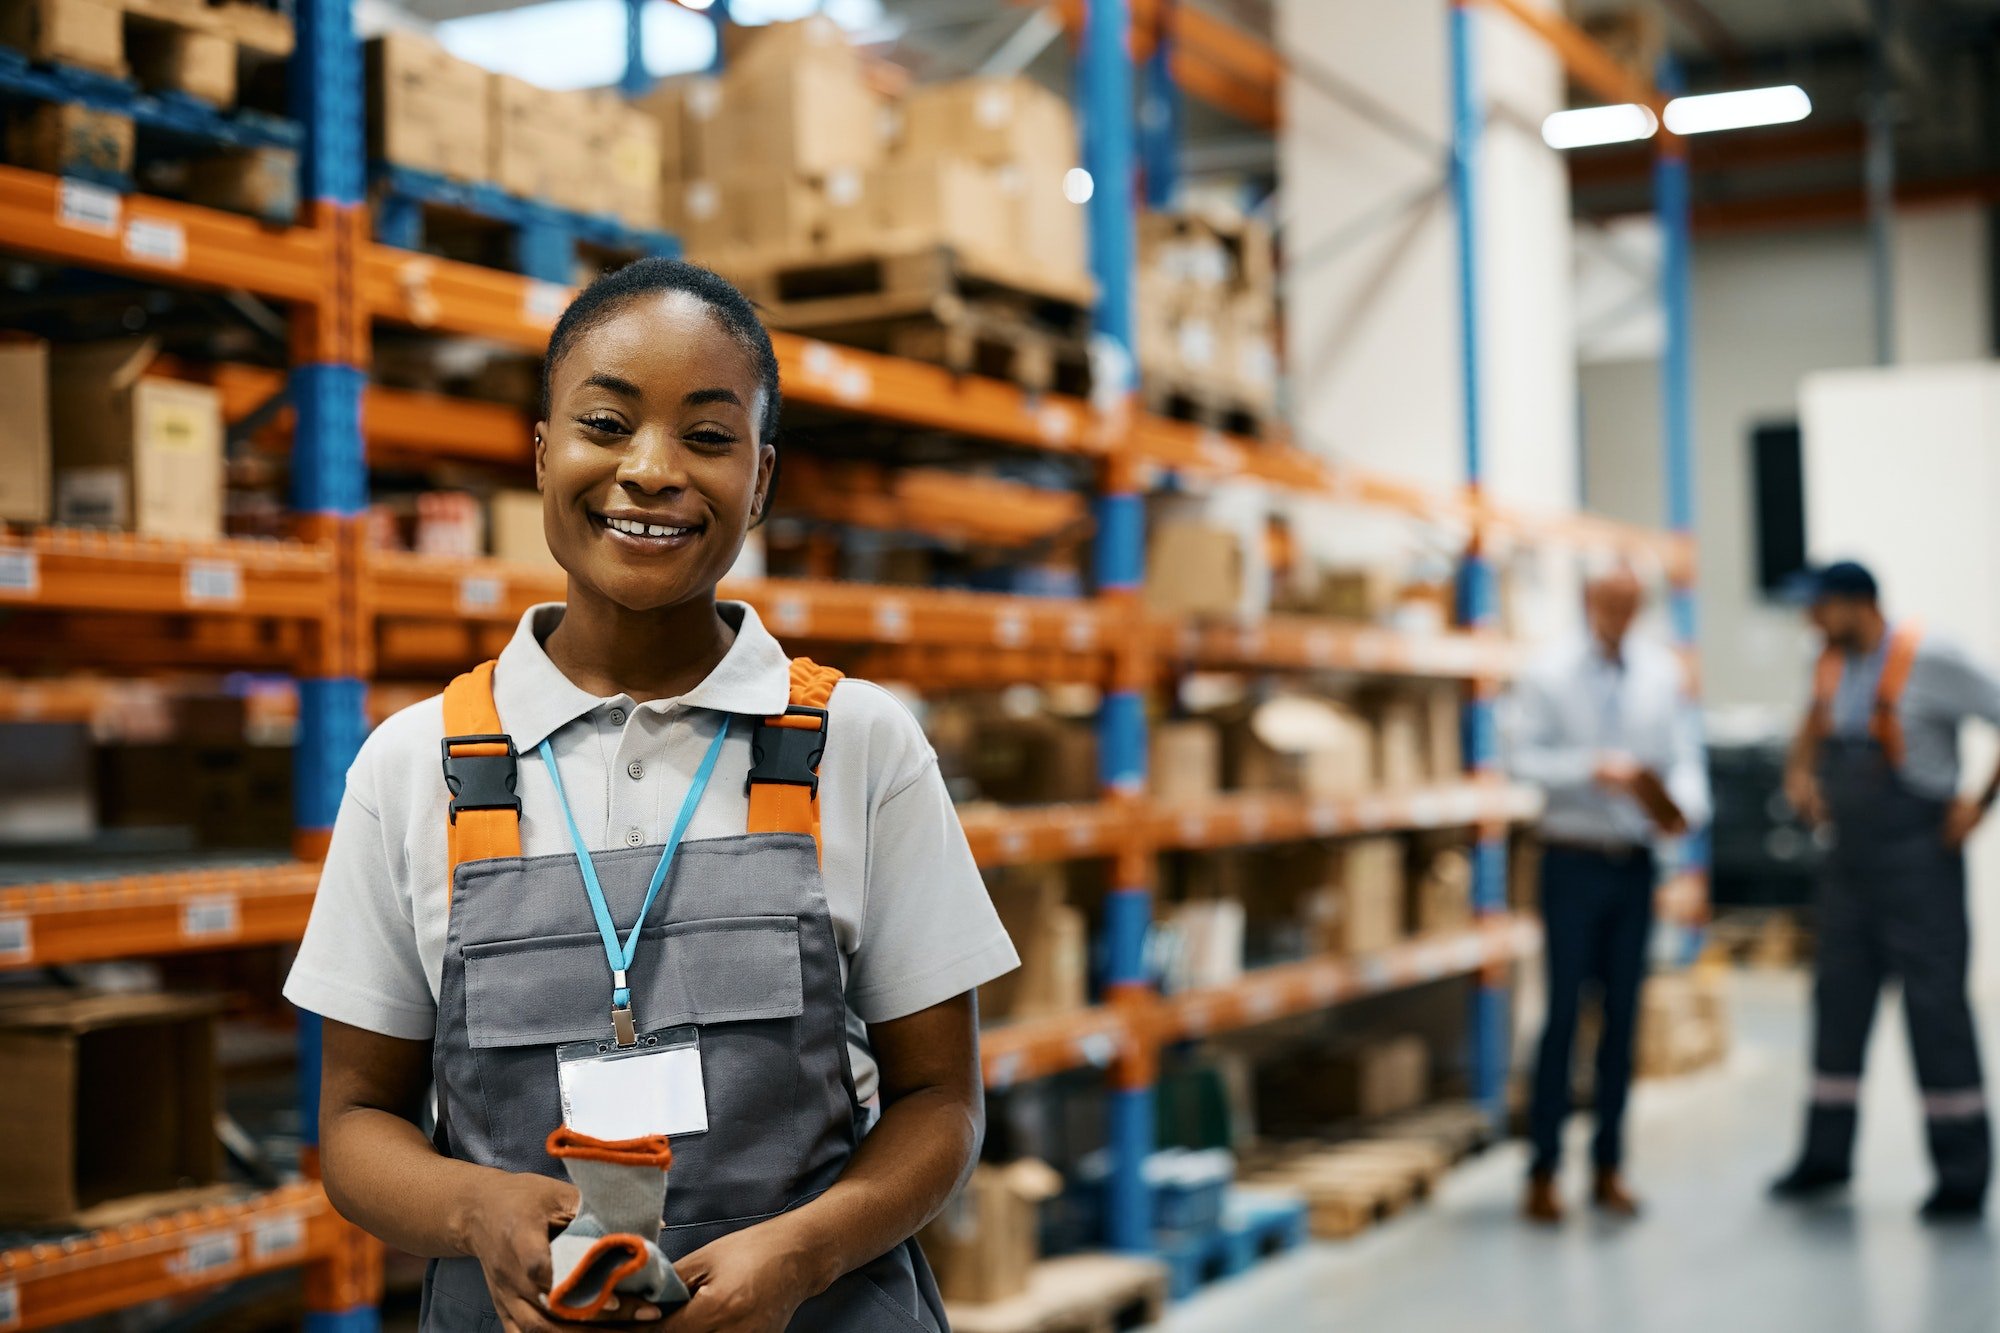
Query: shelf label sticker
[(17, 939), (1325, 987), (892, 619), (10, 1305), (544, 302), (273, 1237), (1324, 818), (1081, 835), (1054, 424), (1321, 644), (479, 592), (1194, 829), (156, 241), (1014, 844), (1097, 1048), (1080, 634), (1217, 452), (1006, 1069), (1427, 810), (1010, 628), (20, 574), (790, 615), (212, 583), (89, 207), (1250, 641), (1195, 1018), (1263, 1004), (211, 916), (205, 1254), (1253, 822)]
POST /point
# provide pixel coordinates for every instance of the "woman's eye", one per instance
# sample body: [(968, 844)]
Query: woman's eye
[(600, 425), (712, 439)]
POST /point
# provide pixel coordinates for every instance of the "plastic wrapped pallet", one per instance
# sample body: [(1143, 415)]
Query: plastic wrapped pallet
[(426, 107)]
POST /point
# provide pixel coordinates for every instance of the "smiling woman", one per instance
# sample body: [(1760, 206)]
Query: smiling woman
[(701, 891)]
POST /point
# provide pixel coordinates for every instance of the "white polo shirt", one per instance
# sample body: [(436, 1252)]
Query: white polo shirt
[(912, 915)]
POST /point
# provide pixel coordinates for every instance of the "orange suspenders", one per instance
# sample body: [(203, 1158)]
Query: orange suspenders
[(1884, 724), (481, 765)]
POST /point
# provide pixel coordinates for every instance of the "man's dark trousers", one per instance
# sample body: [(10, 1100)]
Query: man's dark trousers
[(1597, 916)]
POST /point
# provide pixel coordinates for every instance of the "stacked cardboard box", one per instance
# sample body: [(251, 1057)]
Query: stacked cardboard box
[(794, 153), (1052, 939), (131, 451), (1312, 1089), (984, 1245), (24, 431), (427, 108), (1683, 1022), (1207, 307)]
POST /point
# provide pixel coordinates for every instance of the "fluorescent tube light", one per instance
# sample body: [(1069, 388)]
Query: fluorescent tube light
[(1587, 126), (1738, 110)]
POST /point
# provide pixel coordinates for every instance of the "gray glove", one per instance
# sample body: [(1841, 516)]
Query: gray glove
[(613, 1245)]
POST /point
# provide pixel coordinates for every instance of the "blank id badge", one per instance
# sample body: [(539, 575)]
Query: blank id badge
[(655, 1087)]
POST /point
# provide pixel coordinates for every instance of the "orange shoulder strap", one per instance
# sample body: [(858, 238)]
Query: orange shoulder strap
[(480, 769), (785, 752), (1887, 725)]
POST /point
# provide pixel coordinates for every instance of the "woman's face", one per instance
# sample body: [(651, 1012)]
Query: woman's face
[(649, 464)]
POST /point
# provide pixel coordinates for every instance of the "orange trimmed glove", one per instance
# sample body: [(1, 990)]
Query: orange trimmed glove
[(613, 1245)]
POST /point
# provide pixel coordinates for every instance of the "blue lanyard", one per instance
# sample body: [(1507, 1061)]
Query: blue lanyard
[(620, 955)]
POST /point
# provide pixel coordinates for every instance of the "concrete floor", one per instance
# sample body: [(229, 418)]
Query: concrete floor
[(1712, 1254)]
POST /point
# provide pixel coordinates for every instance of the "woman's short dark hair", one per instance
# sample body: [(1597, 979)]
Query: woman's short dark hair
[(647, 277)]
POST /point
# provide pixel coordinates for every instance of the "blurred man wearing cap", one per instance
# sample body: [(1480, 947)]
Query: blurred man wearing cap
[(1876, 760), (1603, 727)]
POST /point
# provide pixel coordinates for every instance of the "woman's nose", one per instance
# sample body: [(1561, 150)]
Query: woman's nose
[(653, 463)]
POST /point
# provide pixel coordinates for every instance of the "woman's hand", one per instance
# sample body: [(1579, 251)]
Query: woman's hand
[(508, 1231), (1802, 791), (750, 1281)]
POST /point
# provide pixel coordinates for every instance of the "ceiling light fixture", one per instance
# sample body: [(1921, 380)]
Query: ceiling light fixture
[(1738, 110), (1587, 126)]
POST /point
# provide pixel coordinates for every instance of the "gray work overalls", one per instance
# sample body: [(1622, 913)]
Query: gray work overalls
[(1892, 903), (741, 945)]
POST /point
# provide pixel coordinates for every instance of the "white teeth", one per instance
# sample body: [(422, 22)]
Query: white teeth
[(638, 529)]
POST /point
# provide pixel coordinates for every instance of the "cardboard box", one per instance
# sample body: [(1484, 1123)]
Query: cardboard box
[(1444, 892), (24, 431), (1002, 122), (1368, 914), (1193, 569), (1186, 761), (1052, 939), (680, 109), (1443, 734), (984, 1245), (627, 179), (540, 146), (1399, 743), (806, 119), (143, 455), (1339, 760), (90, 33), (177, 58), (515, 527), (776, 49), (263, 182), (760, 215), (69, 139), (1034, 760), (427, 109), (1051, 239), (1202, 943), (909, 205), (1381, 1077), (105, 1096)]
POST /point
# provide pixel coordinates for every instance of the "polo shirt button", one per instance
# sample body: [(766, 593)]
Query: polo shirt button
[(634, 836), (636, 769), (617, 717)]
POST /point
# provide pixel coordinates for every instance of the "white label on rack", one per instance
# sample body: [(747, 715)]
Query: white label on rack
[(853, 385), (1320, 646), (543, 302), (1195, 1018), (1080, 634), (212, 582), (1099, 1048), (88, 207), (1013, 844), (1005, 1070), (1193, 829), (20, 573), (1263, 1004), (478, 592), (157, 242), (273, 1237), (1010, 629), (206, 1253), (17, 939), (1324, 818), (1081, 835), (790, 615), (1054, 424), (10, 1305), (892, 619), (210, 916)]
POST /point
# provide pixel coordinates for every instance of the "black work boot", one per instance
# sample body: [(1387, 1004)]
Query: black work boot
[(1808, 1180)]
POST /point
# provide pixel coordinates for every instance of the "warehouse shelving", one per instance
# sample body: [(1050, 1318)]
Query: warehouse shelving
[(353, 613)]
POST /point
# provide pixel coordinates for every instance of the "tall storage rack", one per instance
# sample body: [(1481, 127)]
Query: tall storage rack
[(335, 613)]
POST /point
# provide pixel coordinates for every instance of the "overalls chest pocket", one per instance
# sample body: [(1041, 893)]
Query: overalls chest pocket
[(739, 980)]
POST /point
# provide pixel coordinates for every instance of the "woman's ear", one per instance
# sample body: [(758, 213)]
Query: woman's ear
[(767, 471), (541, 451)]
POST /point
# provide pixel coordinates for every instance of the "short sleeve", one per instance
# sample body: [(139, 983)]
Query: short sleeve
[(929, 931), (359, 963)]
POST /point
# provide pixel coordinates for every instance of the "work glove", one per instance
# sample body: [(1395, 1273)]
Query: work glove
[(613, 1245)]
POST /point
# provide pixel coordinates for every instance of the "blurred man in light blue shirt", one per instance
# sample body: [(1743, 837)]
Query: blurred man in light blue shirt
[(1605, 728)]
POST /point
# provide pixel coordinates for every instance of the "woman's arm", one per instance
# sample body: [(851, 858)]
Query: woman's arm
[(933, 1116), (385, 1176)]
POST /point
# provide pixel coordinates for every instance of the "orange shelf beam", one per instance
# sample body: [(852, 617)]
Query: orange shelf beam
[(1251, 818), (400, 422), (133, 916), (42, 1286), (1001, 836), (1028, 1049), (87, 570), (138, 236), (1304, 643)]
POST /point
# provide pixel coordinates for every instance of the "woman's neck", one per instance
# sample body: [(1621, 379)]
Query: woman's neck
[(607, 649)]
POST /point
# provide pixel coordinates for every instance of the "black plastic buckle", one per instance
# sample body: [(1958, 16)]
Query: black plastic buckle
[(788, 755), (481, 781)]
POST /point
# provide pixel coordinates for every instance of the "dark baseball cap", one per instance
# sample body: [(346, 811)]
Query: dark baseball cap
[(1842, 579)]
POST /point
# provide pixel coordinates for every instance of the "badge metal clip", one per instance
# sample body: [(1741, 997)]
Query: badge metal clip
[(622, 1027)]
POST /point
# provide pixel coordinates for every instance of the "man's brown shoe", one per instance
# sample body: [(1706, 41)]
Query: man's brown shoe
[(1542, 1203), (1611, 1196)]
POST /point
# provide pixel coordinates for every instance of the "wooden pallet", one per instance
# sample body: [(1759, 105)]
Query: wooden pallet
[(1458, 1129), (1079, 1293), (483, 224), (931, 304), (1350, 1187), (1258, 1222), (1216, 406)]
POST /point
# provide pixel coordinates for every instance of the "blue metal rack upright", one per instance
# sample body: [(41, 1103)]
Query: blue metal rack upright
[(1488, 1039)]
